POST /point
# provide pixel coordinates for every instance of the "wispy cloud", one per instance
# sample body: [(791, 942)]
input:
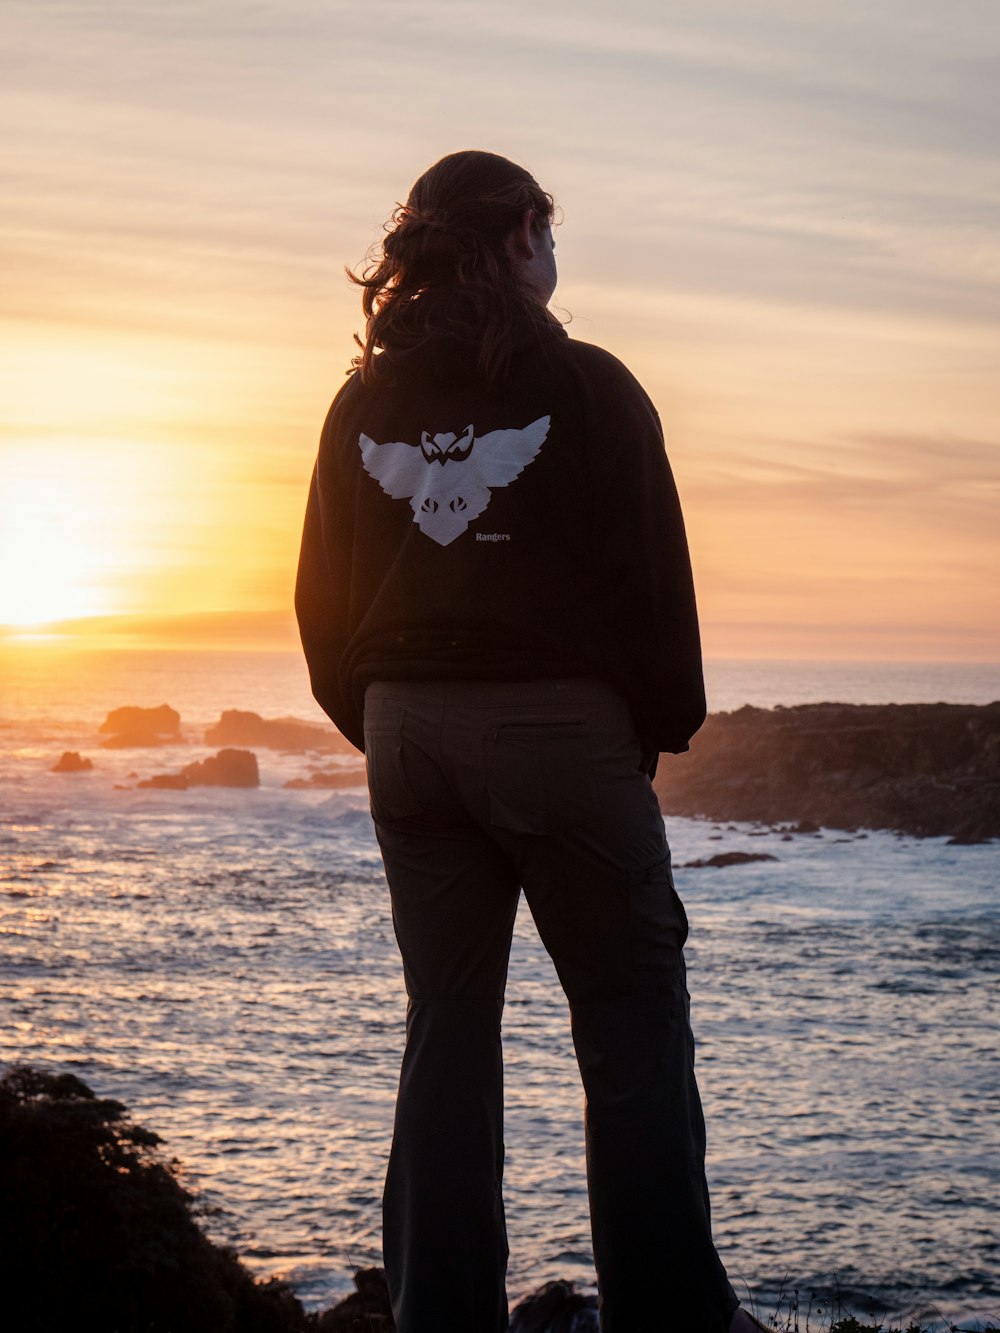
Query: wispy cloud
[(785, 216)]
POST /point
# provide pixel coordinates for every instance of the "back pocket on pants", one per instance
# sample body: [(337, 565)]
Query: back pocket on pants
[(540, 775)]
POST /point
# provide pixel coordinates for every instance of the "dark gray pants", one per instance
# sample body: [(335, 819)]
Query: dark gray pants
[(479, 790)]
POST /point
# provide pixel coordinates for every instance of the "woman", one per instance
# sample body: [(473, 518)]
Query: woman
[(496, 605)]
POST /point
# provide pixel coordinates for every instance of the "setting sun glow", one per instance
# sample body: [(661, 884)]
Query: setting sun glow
[(787, 234), (55, 540)]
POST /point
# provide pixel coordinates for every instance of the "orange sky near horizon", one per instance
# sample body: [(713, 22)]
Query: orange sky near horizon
[(787, 228)]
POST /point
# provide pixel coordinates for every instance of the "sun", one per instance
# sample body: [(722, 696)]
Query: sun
[(54, 547)]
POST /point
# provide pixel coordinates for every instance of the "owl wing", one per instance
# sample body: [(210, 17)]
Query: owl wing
[(502, 455), (399, 468)]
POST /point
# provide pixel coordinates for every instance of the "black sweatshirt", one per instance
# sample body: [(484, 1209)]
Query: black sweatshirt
[(520, 532)]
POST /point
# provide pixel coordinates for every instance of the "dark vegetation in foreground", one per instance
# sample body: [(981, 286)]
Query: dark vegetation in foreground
[(97, 1232), (921, 769)]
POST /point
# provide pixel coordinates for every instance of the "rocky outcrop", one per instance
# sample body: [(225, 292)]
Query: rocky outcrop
[(141, 727), (228, 768), (163, 782), (70, 761), (722, 859), (326, 779), (556, 1307), (922, 769), (366, 1308), (236, 727)]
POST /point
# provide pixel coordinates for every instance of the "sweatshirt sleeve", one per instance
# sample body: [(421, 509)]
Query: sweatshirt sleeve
[(321, 609), (645, 568)]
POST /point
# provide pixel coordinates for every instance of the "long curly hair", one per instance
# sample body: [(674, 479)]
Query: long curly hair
[(443, 267)]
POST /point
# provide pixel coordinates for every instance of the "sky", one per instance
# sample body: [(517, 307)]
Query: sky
[(783, 216)]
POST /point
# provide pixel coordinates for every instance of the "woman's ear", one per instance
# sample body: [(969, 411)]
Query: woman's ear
[(530, 251), (523, 238)]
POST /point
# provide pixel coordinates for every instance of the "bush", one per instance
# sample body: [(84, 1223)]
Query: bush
[(97, 1232)]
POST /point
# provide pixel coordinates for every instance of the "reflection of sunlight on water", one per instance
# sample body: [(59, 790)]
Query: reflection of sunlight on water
[(223, 961), (254, 1018)]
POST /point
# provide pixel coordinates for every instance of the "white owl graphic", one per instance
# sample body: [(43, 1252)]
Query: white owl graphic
[(448, 478)]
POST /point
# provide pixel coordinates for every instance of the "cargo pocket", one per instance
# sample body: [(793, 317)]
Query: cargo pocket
[(540, 775), (658, 924)]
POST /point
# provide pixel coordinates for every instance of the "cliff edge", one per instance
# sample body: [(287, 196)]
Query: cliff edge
[(922, 769)]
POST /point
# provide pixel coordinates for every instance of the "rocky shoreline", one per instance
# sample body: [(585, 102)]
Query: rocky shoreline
[(928, 770)]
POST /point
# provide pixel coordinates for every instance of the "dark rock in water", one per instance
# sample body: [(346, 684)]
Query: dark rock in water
[(922, 769), (71, 762), (131, 726), (366, 1309), (236, 727), (228, 768), (727, 859), (164, 782), (329, 778), (556, 1307)]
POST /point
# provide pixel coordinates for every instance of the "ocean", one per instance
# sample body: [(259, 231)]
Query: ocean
[(223, 961)]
